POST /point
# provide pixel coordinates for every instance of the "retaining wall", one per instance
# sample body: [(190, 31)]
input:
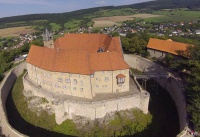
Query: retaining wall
[(91, 109), (5, 88), (172, 85)]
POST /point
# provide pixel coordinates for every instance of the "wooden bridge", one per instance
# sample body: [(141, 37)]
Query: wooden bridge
[(152, 75), (146, 76)]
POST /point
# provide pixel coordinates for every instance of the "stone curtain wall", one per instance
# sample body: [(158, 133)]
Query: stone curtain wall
[(171, 85), (94, 109), (5, 88)]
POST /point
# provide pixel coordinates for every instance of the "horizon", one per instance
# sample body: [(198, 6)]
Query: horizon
[(11, 8)]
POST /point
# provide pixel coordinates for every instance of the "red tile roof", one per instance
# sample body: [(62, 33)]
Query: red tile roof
[(167, 46), (77, 53), (120, 76)]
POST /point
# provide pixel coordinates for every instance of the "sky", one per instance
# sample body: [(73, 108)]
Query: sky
[(23, 7)]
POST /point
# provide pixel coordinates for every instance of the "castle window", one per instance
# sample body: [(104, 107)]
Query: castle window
[(44, 74), (75, 82), (120, 79), (106, 79), (67, 80), (56, 85), (97, 79), (92, 76), (59, 79), (81, 82), (81, 89), (64, 87)]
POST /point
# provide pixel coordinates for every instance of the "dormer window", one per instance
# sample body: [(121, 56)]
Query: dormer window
[(120, 79)]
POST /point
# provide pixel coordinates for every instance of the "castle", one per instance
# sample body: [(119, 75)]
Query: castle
[(82, 75), (80, 65)]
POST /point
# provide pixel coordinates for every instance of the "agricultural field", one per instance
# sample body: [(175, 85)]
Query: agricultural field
[(117, 20), (175, 15), (15, 31)]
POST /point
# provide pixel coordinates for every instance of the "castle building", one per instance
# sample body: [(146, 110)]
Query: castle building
[(80, 65), (160, 48)]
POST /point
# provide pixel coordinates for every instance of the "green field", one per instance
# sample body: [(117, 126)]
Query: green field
[(54, 26), (72, 24), (176, 15)]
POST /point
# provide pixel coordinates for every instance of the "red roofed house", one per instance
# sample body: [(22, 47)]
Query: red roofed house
[(160, 48), (80, 65)]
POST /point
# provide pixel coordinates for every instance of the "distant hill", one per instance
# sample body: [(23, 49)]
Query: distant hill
[(166, 4), (62, 18)]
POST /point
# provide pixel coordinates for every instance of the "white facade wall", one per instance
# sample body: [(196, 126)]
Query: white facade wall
[(156, 53), (86, 86)]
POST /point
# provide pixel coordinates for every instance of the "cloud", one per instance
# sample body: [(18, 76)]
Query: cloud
[(101, 2)]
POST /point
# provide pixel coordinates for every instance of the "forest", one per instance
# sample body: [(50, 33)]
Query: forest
[(62, 18)]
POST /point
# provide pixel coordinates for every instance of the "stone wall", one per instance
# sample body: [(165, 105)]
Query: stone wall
[(5, 89), (91, 109), (171, 85)]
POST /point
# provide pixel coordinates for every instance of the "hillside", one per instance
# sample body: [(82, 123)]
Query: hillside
[(86, 15)]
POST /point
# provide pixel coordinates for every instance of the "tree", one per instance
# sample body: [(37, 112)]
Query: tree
[(193, 87)]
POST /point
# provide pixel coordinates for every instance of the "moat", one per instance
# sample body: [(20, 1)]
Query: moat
[(165, 121)]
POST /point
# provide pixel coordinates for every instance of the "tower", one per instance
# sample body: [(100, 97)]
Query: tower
[(48, 39)]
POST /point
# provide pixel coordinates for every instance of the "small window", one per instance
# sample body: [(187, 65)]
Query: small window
[(92, 76), (56, 85), (44, 74), (120, 80), (106, 79), (97, 79), (75, 82), (81, 82), (48, 75), (60, 80), (81, 89), (67, 80), (64, 86)]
